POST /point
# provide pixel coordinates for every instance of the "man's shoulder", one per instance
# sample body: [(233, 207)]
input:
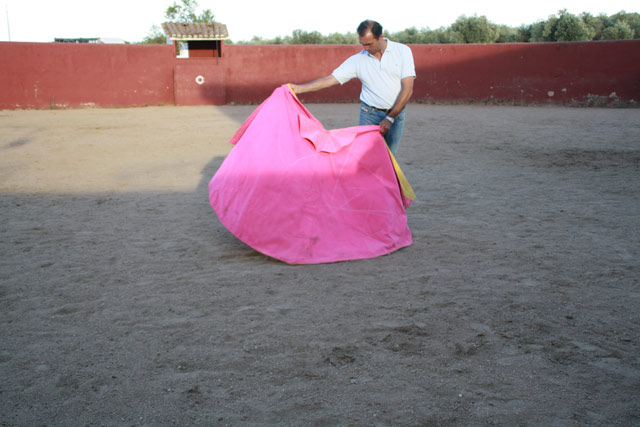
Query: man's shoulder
[(401, 50), (356, 57), (399, 46), (360, 54)]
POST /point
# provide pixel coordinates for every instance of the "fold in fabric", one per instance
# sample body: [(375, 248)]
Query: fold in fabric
[(304, 195)]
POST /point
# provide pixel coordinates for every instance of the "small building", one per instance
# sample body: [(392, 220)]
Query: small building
[(196, 39)]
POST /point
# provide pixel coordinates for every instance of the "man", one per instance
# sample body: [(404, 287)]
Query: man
[(386, 71)]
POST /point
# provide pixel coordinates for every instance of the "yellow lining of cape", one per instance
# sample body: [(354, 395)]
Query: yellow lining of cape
[(402, 180)]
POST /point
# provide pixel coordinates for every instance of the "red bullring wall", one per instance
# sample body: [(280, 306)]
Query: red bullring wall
[(525, 73), (48, 75)]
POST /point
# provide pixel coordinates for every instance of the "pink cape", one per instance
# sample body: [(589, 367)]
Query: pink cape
[(304, 195)]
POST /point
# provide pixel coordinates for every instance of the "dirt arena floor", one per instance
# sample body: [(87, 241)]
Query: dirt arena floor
[(125, 302)]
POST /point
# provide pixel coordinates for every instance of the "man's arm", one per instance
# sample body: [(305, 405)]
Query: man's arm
[(314, 85), (406, 90)]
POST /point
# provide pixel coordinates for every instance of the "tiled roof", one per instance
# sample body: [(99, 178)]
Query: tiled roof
[(195, 31)]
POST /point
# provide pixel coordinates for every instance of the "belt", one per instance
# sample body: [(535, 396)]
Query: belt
[(376, 108)]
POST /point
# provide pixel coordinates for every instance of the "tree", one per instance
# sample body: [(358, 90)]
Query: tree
[(596, 24), (564, 28), (339, 38), (155, 36), (507, 34), (304, 37), (536, 32), (632, 19), (409, 36), (185, 11), (618, 31), (570, 27), (476, 29), (448, 36), (524, 33)]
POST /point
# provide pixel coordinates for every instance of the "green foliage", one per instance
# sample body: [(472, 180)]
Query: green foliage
[(476, 29), (596, 24), (339, 38), (182, 11), (410, 36), (524, 33), (619, 31), (537, 32), (631, 19), (155, 36), (447, 35), (507, 34), (185, 11), (426, 36), (570, 28), (562, 26), (305, 37)]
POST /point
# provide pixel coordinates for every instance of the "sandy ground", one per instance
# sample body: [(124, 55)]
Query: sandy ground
[(125, 302)]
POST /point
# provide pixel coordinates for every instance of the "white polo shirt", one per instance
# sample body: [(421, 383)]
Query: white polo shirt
[(380, 79)]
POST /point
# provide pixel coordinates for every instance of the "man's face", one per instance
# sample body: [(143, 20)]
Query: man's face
[(371, 44)]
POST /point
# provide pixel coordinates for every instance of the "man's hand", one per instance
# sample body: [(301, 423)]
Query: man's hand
[(294, 87), (314, 85), (385, 125), (406, 90)]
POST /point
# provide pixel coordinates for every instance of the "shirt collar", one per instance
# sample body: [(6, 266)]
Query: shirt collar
[(389, 43)]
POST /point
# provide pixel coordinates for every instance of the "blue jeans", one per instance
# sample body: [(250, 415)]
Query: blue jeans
[(369, 116)]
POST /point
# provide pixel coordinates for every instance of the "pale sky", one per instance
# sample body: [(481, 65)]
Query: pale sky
[(131, 20)]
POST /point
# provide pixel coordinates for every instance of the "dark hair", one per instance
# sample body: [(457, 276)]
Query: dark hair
[(368, 25)]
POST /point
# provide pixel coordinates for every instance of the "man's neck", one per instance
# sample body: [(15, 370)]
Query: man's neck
[(384, 47)]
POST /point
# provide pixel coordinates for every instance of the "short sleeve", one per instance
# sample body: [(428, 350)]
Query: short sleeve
[(347, 70), (408, 68)]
